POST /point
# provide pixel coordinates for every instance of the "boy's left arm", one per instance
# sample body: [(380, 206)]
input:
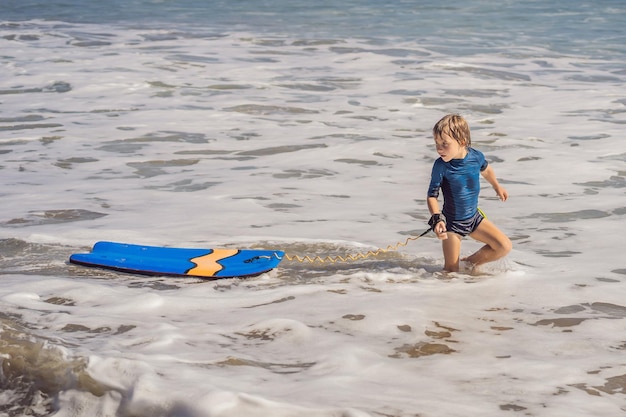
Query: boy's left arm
[(490, 175)]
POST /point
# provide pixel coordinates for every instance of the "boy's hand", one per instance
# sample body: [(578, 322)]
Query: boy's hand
[(440, 230), (503, 195), (437, 223)]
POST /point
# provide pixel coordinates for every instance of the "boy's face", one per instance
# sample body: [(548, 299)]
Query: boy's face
[(448, 148)]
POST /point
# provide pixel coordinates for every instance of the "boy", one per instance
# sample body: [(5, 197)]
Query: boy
[(456, 172)]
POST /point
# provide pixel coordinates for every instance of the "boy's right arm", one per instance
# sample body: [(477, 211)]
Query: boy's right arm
[(433, 205), (440, 227)]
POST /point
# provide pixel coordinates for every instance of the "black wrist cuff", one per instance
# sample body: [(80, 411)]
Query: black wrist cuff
[(436, 218)]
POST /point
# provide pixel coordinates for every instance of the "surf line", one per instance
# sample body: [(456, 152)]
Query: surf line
[(350, 257)]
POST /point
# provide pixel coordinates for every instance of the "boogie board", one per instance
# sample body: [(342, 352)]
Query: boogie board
[(159, 260)]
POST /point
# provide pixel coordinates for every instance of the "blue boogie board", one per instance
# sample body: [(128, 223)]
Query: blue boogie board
[(158, 260)]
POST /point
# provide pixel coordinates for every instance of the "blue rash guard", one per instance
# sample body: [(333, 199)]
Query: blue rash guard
[(459, 180)]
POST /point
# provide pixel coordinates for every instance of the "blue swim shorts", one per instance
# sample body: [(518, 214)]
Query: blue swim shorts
[(465, 227)]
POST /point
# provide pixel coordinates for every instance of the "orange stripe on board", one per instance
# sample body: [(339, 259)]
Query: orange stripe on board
[(207, 266)]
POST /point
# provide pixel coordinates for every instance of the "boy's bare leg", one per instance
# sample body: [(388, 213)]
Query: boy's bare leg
[(497, 244), (451, 252)]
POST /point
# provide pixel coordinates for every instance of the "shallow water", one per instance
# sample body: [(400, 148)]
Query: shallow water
[(313, 139)]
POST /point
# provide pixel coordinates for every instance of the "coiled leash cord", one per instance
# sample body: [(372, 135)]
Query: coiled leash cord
[(351, 257), (364, 255)]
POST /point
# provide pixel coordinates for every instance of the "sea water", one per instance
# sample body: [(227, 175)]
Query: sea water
[(305, 127)]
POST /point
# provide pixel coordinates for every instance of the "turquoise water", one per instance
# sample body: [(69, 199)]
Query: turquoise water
[(580, 27)]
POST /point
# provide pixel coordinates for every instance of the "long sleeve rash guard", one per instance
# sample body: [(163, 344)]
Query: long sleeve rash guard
[(459, 180)]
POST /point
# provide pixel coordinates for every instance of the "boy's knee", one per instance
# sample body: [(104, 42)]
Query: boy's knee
[(506, 246)]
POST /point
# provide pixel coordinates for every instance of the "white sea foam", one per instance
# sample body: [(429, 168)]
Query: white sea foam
[(154, 137)]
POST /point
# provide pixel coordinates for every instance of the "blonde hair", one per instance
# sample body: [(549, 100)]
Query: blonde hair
[(454, 126)]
